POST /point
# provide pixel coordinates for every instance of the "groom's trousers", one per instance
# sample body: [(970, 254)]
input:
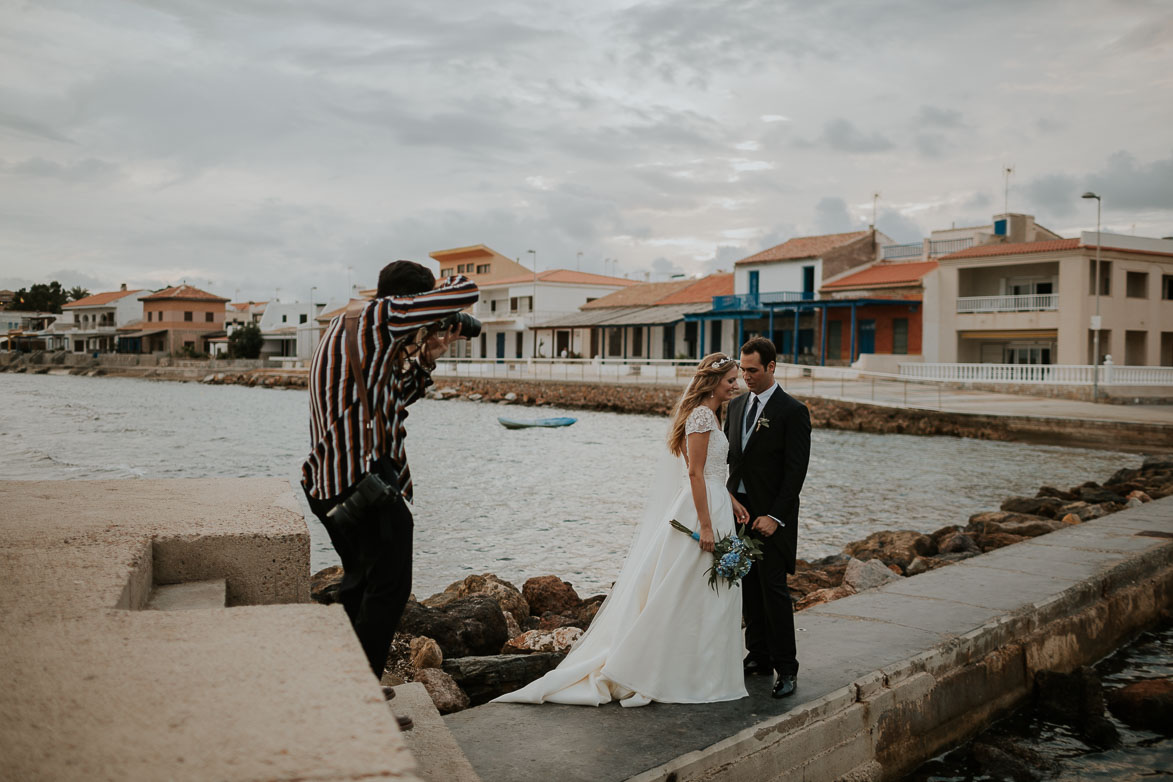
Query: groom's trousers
[(766, 606), (376, 558)]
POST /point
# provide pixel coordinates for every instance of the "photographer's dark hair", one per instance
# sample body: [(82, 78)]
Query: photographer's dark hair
[(763, 347), (405, 278)]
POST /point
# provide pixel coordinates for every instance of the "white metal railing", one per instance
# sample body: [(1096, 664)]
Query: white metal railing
[(902, 250), (607, 370), (1033, 302), (1052, 374), (946, 246)]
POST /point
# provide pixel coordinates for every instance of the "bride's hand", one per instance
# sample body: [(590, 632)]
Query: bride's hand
[(707, 542)]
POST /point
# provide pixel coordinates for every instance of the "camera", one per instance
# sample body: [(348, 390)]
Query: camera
[(469, 326), (372, 491)]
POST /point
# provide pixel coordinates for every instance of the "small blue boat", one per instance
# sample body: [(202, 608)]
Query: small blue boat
[(530, 423)]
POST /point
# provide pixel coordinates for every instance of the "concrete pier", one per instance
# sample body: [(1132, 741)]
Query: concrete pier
[(890, 677), (162, 629)]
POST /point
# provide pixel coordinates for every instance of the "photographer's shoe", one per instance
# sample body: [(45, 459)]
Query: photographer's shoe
[(388, 693), (405, 723)]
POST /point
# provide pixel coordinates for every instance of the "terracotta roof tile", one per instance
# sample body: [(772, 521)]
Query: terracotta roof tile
[(185, 292), (563, 276), (100, 298), (702, 290), (804, 247), (641, 294), (1018, 248), (881, 274)]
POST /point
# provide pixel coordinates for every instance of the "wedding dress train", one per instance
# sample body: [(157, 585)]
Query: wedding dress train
[(663, 634)]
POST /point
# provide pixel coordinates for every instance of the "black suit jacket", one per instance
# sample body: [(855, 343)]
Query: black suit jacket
[(772, 462)]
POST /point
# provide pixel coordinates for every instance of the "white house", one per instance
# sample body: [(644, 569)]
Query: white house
[(96, 319), (290, 330)]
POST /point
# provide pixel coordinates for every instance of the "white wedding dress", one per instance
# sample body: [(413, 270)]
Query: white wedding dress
[(663, 634)]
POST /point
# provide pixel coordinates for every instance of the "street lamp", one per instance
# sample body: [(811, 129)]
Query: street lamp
[(578, 260), (1096, 317)]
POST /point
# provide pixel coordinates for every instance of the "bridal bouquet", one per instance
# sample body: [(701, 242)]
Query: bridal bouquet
[(733, 555)]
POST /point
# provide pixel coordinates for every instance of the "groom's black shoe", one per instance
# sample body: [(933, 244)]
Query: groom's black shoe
[(754, 667), (785, 685)]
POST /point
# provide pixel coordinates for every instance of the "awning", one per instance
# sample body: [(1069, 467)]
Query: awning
[(1033, 334), (137, 334), (658, 315), (584, 318)]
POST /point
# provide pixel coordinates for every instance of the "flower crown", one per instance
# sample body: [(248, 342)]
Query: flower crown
[(722, 362)]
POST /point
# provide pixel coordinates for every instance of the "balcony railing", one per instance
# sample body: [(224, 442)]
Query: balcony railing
[(896, 251), (756, 301), (1034, 302), (1053, 374), (946, 246)]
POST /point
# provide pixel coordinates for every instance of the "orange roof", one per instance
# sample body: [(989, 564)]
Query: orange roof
[(241, 306), (463, 253), (100, 298), (185, 292), (564, 276), (703, 290), (804, 247), (643, 294), (884, 274), (1018, 248)]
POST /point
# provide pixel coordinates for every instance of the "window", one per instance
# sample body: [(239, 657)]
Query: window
[(1167, 287), (446, 272), (1105, 277), (1000, 227), (835, 338), (808, 280), (519, 343), (1136, 285), (637, 342), (149, 315), (284, 318), (187, 316), (900, 336), (493, 305), (614, 342), (302, 318), (209, 317), (483, 268), (513, 303)]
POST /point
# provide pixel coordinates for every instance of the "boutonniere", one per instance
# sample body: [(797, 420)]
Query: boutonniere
[(763, 423)]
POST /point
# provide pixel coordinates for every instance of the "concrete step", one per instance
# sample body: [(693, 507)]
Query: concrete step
[(436, 752), (190, 596)]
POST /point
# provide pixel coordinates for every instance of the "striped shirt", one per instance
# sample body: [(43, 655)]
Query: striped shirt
[(336, 461)]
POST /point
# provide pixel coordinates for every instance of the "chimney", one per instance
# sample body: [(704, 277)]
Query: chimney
[(123, 286)]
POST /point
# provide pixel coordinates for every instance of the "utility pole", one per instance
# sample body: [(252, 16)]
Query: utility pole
[(1096, 317), (1006, 172)]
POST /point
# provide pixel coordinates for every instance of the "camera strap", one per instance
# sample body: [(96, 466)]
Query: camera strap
[(350, 327)]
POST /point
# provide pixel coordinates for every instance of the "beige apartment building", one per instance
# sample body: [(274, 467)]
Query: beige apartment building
[(1032, 302)]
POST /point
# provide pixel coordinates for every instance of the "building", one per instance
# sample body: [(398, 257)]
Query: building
[(479, 263), (512, 308), (290, 330), (6, 297), (1010, 227), (179, 319), (650, 321), (238, 313), (95, 320), (1032, 302), (775, 290), (25, 330)]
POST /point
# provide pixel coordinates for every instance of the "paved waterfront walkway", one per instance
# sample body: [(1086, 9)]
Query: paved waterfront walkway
[(967, 609)]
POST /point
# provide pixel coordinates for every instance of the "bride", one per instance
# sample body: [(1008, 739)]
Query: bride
[(664, 634)]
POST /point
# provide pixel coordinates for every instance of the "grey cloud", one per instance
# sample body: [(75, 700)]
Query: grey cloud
[(662, 268), (1056, 194), (841, 135), (901, 228), (1147, 35), (1123, 183), (939, 117), (930, 145), (86, 170), (832, 217), (1049, 125), (29, 127), (978, 201)]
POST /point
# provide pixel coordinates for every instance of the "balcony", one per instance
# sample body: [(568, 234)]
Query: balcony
[(900, 251), (1035, 302), (742, 302)]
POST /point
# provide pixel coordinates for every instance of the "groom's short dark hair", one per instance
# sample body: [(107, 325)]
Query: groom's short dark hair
[(763, 347)]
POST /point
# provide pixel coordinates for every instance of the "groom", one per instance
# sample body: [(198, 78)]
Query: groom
[(769, 435)]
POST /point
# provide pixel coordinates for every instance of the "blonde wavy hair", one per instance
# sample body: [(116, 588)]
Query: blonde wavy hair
[(708, 376)]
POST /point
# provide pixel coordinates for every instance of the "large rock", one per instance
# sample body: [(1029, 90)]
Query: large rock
[(1095, 494), (1051, 491), (1035, 506), (1147, 705), (1085, 511), (558, 641), (861, 575), (993, 520), (1032, 529), (484, 678), (465, 626), (425, 653), (325, 583), (445, 692), (994, 540), (507, 596), (999, 757), (893, 547), (820, 596), (957, 543), (550, 594), (809, 578), (1076, 699)]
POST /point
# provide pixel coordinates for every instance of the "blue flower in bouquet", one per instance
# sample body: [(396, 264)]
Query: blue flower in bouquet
[(733, 556)]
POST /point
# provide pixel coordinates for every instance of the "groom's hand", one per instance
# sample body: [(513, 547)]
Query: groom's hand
[(766, 525)]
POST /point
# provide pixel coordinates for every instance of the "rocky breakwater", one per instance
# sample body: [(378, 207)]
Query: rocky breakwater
[(263, 378), (481, 637), (905, 553), (608, 397)]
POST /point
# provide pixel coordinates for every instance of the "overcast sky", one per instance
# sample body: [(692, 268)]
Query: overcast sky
[(248, 146)]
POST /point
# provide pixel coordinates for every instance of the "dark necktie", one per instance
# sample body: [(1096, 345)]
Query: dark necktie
[(749, 418)]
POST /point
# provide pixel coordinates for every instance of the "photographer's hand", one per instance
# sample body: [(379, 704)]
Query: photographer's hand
[(437, 344)]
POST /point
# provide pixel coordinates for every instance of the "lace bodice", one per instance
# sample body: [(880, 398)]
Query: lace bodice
[(702, 419)]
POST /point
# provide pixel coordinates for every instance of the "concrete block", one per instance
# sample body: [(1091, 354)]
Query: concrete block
[(437, 755), (191, 596)]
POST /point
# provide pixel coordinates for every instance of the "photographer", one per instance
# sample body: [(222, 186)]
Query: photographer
[(356, 477)]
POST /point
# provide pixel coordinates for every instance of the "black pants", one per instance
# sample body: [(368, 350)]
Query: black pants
[(376, 558), (766, 606)]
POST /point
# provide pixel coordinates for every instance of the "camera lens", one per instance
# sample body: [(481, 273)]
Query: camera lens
[(469, 326)]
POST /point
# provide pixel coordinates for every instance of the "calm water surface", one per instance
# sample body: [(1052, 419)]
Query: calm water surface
[(516, 503)]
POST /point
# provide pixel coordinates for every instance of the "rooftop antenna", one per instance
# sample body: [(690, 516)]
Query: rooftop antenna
[(1006, 172), (875, 199)]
